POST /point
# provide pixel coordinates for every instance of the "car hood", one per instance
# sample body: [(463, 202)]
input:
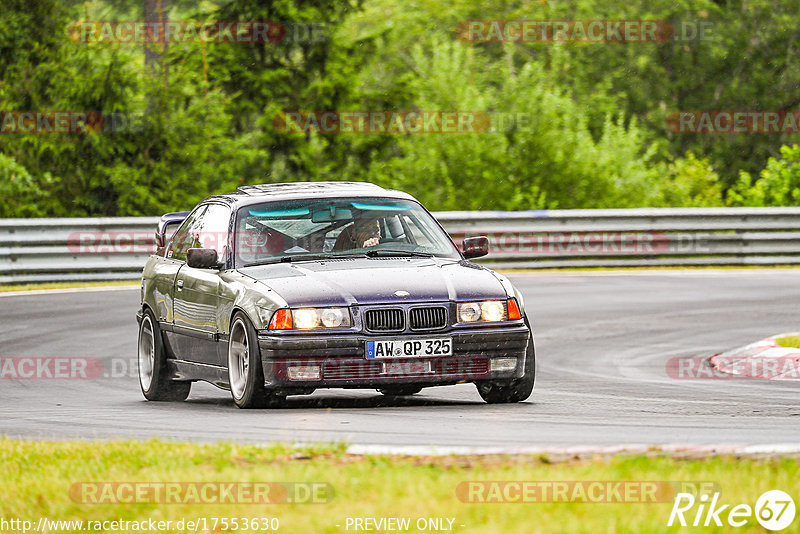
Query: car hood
[(366, 281)]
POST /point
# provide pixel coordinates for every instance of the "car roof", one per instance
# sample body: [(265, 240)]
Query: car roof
[(254, 194)]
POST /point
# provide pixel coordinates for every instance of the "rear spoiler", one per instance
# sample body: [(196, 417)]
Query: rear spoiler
[(167, 221)]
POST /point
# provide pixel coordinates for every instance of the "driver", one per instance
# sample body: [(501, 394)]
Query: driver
[(365, 232), (260, 242)]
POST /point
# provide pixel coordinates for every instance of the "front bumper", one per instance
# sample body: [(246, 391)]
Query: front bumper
[(342, 363)]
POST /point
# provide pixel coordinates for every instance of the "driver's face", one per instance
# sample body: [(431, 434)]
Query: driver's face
[(367, 230)]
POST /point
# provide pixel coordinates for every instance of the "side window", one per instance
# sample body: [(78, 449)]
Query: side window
[(212, 229), (205, 228), (181, 241)]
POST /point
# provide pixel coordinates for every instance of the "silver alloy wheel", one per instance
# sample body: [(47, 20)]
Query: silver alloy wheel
[(147, 353), (238, 358)]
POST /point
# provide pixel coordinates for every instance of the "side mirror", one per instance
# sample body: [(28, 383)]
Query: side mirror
[(202, 258), (475, 247)]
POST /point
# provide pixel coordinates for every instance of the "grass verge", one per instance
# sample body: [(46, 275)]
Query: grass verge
[(789, 341), (4, 288), (39, 477)]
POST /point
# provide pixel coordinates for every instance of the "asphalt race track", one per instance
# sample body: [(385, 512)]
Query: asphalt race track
[(603, 342)]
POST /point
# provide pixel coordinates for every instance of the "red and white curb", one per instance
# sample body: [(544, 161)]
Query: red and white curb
[(762, 359), (671, 450)]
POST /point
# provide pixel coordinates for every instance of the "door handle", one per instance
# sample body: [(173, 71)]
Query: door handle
[(180, 285)]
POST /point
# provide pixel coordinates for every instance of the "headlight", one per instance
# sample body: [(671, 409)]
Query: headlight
[(493, 310), (310, 318), (334, 317), (469, 312), (490, 311), (305, 318)]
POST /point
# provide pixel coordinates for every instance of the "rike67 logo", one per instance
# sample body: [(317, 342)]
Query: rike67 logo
[(774, 510)]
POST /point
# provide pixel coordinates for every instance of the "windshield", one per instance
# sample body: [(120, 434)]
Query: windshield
[(314, 229)]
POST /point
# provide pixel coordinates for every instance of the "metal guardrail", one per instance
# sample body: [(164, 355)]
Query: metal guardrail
[(35, 250)]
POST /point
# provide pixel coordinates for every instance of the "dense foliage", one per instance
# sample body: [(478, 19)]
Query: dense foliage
[(585, 124)]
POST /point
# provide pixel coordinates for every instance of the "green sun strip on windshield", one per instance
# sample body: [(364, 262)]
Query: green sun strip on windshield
[(298, 212), (378, 207)]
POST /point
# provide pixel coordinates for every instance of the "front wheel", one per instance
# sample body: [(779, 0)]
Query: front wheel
[(245, 373), (153, 375), (516, 390)]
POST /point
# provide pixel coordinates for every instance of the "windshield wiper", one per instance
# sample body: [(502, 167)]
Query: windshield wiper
[(289, 258), (397, 253)]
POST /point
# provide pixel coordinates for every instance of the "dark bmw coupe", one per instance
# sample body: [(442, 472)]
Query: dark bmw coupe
[(281, 289)]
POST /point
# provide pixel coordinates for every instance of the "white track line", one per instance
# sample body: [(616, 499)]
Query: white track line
[(739, 271), (423, 450)]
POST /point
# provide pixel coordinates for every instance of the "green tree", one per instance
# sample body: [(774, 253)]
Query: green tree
[(538, 152), (778, 184), (22, 196), (691, 182)]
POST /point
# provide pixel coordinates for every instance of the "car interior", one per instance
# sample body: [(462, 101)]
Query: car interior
[(324, 229)]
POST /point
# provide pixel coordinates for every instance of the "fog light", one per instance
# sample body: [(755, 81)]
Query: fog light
[(304, 372), (503, 364)]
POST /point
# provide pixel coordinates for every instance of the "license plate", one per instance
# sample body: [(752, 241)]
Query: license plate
[(409, 348)]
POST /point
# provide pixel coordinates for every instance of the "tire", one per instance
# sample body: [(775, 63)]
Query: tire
[(153, 377), (516, 390), (245, 371), (400, 391)]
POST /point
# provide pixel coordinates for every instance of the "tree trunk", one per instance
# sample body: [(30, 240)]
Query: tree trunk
[(155, 48)]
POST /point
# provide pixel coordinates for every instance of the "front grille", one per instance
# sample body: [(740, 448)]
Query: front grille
[(428, 318), (450, 368), (385, 320), (335, 369)]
